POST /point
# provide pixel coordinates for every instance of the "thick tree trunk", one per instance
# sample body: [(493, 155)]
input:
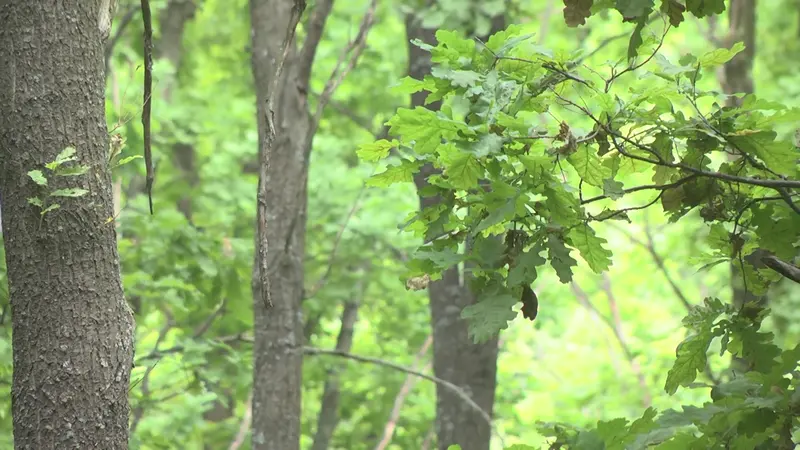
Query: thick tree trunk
[(73, 331), (455, 358), (277, 351)]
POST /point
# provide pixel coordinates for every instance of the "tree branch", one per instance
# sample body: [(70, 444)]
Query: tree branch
[(380, 362), (399, 400), (244, 427), (247, 338), (121, 25), (353, 50), (615, 325), (328, 416), (332, 258), (768, 183), (316, 26), (138, 412), (651, 249)]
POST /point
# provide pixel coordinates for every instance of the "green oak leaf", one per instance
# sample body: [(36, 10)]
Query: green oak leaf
[(690, 359), (464, 172), (38, 177), (489, 315), (375, 151), (560, 258), (589, 166), (591, 248), (402, 173)]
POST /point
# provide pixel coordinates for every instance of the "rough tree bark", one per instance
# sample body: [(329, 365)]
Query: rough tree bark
[(472, 367), (277, 350), (73, 331)]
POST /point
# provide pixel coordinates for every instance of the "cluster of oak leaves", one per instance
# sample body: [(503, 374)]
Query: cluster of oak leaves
[(499, 175)]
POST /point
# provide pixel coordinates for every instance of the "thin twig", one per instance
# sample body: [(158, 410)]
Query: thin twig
[(328, 416), (316, 26), (121, 25), (244, 427), (247, 338), (429, 438), (380, 362), (148, 88), (138, 412), (651, 249), (400, 398), (332, 258), (620, 333), (201, 330), (768, 183), (615, 325), (354, 49), (661, 187)]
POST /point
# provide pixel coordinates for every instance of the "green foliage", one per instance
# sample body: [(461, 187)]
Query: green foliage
[(58, 168), (565, 369), (550, 207), (558, 180), (750, 410)]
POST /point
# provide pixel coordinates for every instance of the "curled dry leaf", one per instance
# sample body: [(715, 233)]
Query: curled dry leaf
[(418, 283)]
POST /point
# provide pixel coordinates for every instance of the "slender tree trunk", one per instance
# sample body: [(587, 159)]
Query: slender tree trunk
[(170, 47), (277, 351), (738, 78), (473, 367), (72, 330)]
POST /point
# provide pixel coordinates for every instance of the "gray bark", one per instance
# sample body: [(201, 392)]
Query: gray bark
[(72, 330), (170, 47), (472, 367), (277, 350)]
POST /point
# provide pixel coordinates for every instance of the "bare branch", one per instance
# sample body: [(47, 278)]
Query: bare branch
[(399, 400), (353, 50), (248, 338), (658, 260), (620, 333), (138, 412), (615, 325), (316, 26), (121, 25), (201, 330), (429, 438), (244, 427), (332, 258), (148, 89), (660, 187), (380, 362), (328, 416)]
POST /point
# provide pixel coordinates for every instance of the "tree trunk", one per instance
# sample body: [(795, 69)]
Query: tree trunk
[(738, 78), (455, 358), (72, 330), (277, 350), (170, 47)]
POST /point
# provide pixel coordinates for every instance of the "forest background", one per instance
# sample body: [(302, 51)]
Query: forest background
[(601, 345)]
